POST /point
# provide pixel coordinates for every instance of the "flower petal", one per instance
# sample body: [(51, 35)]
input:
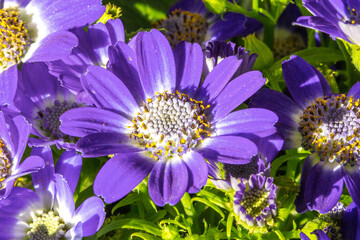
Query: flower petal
[(168, 181), (64, 200), (8, 85), (69, 166), (352, 179), (350, 222), (355, 91), (121, 174), (197, 169)]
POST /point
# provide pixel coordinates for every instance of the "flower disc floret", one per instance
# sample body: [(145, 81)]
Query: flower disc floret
[(183, 26), (330, 127), (5, 162), (46, 226), (169, 124), (14, 40), (49, 118)]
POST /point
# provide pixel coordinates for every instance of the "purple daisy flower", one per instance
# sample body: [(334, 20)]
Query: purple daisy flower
[(189, 20), (14, 133), (345, 225), (49, 212), (324, 123), (42, 100), (339, 19), (34, 30), (91, 50), (153, 115), (255, 200), (268, 148)]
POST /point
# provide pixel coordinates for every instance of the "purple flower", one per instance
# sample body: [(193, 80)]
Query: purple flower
[(14, 133), (339, 19), (34, 30), (91, 50), (345, 225), (189, 20), (42, 100), (49, 212), (223, 175), (153, 115), (324, 123), (216, 51), (255, 200)]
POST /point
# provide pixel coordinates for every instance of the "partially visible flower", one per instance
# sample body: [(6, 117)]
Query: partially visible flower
[(216, 51), (34, 30), (339, 19), (189, 20), (344, 224), (91, 50), (225, 175), (324, 123), (157, 117), (255, 200), (42, 100), (14, 134), (49, 212)]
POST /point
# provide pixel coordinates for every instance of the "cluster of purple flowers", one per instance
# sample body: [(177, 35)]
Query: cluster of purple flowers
[(163, 106)]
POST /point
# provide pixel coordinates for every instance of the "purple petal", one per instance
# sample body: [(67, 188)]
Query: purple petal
[(168, 181), (55, 46), (80, 122), (91, 213), (352, 182), (228, 149), (302, 81), (155, 62), (355, 91), (350, 222), (323, 186), (217, 79), (42, 179), (121, 174), (270, 146), (102, 144), (252, 120), (20, 135), (107, 91), (29, 165), (122, 62), (8, 84), (303, 236), (64, 200), (188, 59), (69, 166), (197, 169)]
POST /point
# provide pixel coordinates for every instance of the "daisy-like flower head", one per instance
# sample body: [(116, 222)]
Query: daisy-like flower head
[(223, 175), (255, 200), (42, 100), (34, 31), (91, 50), (14, 133), (324, 123), (339, 19), (189, 20), (153, 115), (49, 212), (344, 225)]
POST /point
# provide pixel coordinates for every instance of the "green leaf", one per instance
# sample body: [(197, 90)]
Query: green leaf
[(209, 204), (265, 56), (216, 6), (129, 199), (275, 164), (144, 236), (187, 204), (131, 223), (229, 224), (214, 196)]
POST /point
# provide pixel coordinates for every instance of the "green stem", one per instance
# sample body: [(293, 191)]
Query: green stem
[(349, 65)]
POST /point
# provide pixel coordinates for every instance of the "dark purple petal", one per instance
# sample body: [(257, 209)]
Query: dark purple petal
[(107, 91), (121, 174), (122, 62), (189, 62), (350, 222), (168, 181), (80, 122), (197, 169), (228, 149), (270, 146), (194, 6), (303, 236), (59, 15), (252, 120), (217, 79), (302, 81), (42, 179), (91, 213), (229, 26), (5, 133), (352, 178), (64, 200), (69, 166), (8, 84), (323, 186), (102, 144), (155, 62), (355, 91), (55, 46)]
